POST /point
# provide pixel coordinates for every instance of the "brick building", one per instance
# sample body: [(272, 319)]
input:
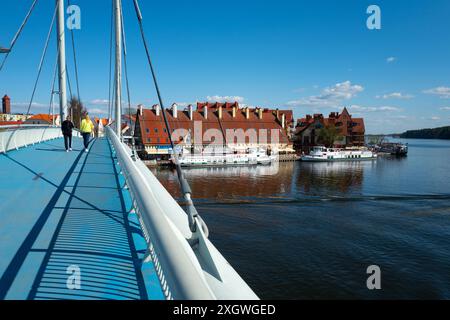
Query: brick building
[(200, 127), (351, 130), (6, 105)]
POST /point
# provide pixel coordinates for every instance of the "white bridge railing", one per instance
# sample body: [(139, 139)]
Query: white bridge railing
[(189, 267), (15, 137)]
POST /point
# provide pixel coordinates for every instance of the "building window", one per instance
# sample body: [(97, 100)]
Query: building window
[(147, 130), (149, 140), (156, 130)]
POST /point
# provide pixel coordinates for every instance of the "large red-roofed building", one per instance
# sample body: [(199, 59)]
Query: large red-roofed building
[(201, 126)]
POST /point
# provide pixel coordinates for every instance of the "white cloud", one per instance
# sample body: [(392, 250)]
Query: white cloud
[(373, 109), (26, 104), (391, 59), (99, 102), (442, 92), (225, 99), (330, 96), (36, 107), (434, 118), (97, 111), (445, 108), (395, 95)]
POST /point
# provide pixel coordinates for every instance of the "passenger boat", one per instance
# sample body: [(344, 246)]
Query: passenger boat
[(323, 154), (253, 157), (396, 149)]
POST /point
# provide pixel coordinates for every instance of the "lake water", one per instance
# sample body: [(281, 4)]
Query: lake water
[(310, 230)]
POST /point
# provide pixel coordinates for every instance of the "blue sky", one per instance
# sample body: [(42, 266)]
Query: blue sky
[(309, 56)]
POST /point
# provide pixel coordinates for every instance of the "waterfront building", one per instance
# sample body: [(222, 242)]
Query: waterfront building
[(47, 119), (239, 128), (349, 131)]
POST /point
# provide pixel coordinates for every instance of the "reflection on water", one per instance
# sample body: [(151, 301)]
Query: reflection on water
[(309, 230), (340, 177), (277, 180), (224, 183)]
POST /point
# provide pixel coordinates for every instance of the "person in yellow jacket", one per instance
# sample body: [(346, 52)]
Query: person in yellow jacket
[(86, 128)]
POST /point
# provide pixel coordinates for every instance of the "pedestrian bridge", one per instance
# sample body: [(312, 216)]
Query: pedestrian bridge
[(97, 225)]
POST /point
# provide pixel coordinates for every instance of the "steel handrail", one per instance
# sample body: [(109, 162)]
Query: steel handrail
[(182, 273), (15, 137)]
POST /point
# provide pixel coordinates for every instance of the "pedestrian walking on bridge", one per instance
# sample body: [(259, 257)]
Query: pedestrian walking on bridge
[(86, 128)]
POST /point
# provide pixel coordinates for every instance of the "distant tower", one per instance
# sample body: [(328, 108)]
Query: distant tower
[(6, 105)]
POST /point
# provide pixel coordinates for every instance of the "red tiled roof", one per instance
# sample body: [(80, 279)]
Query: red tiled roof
[(45, 117), (152, 126)]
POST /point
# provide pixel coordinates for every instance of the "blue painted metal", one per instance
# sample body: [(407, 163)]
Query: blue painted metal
[(61, 209)]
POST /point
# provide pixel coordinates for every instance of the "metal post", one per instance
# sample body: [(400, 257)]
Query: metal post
[(61, 60), (118, 76)]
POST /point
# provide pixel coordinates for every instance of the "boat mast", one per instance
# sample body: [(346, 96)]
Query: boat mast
[(61, 60), (118, 75)]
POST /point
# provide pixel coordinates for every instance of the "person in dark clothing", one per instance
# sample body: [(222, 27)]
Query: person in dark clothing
[(67, 127)]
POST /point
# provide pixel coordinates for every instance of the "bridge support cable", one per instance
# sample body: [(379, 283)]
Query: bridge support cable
[(53, 92), (193, 216), (16, 36), (44, 53)]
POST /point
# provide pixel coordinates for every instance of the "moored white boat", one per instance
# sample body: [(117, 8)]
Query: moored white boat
[(254, 157), (323, 154)]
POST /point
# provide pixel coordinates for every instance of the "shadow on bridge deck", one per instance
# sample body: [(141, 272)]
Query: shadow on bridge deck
[(62, 212)]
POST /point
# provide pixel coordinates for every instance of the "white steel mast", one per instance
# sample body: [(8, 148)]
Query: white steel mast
[(118, 74), (61, 60)]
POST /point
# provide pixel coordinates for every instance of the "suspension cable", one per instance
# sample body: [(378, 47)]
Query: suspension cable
[(69, 83), (55, 72), (16, 36), (184, 185), (42, 58)]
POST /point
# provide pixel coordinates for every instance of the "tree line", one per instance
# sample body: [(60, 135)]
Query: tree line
[(436, 133)]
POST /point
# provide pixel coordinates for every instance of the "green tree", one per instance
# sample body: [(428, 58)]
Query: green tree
[(76, 111), (329, 135)]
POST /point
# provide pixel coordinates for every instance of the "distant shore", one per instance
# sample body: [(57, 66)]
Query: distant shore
[(441, 133)]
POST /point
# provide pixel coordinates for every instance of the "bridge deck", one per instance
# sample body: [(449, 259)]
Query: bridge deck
[(63, 212)]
